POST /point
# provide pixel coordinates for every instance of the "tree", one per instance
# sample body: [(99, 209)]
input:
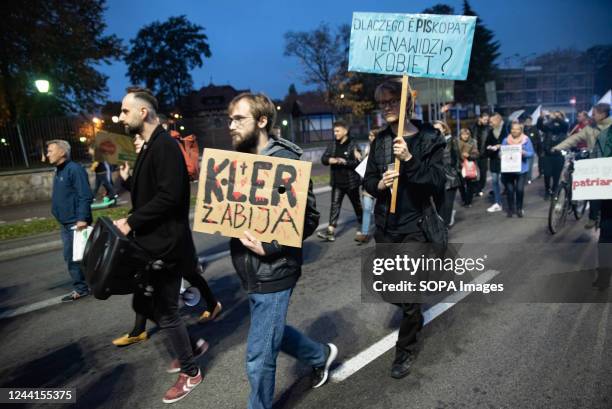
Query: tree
[(485, 51), (163, 54), (60, 41), (321, 52), (601, 57)]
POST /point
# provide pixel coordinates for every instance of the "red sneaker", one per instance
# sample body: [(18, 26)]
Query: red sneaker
[(184, 384), (201, 348)]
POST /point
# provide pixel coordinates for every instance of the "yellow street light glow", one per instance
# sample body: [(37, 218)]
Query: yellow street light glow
[(177, 116), (96, 120), (341, 96)]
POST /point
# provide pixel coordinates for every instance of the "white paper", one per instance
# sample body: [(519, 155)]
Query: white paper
[(511, 158), (79, 240), (361, 168), (592, 179)]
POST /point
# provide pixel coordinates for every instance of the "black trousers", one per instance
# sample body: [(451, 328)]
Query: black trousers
[(483, 165), (467, 190), (515, 189), (336, 204), (553, 165), (604, 271), (162, 308), (446, 210), (594, 209), (102, 179), (412, 319), (197, 280)]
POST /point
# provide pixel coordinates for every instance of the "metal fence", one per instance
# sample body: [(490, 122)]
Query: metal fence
[(23, 144)]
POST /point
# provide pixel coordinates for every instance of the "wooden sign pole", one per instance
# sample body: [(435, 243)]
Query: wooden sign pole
[(400, 132)]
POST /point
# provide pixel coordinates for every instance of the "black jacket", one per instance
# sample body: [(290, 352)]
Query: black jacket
[(422, 177), (534, 135), (343, 175), (480, 133), (281, 267), (495, 159), (452, 163), (554, 131), (160, 201)]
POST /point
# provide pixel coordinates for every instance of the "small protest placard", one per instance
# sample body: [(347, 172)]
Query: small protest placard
[(511, 158), (262, 194), (418, 45), (592, 179), (114, 148)]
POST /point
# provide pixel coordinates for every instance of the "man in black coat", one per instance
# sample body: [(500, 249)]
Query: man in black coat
[(421, 176), (341, 156), (159, 223)]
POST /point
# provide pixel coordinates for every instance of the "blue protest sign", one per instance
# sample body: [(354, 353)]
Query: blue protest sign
[(418, 45)]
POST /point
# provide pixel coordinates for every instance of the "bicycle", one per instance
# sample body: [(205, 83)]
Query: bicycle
[(561, 203)]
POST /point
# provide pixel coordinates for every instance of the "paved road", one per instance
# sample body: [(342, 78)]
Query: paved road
[(475, 355)]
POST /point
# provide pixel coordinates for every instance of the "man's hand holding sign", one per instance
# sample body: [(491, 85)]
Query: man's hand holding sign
[(421, 45), (252, 197)]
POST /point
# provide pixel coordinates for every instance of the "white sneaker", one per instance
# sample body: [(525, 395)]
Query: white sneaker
[(495, 208), (452, 219)]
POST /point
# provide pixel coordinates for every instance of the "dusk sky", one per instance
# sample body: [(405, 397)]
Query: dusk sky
[(247, 44)]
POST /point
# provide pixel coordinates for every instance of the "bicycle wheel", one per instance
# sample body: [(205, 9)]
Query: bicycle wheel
[(559, 206), (578, 208)]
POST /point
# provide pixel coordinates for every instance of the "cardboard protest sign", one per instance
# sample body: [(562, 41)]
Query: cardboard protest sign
[(114, 148), (592, 179), (511, 158), (419, 45), (262, 194)]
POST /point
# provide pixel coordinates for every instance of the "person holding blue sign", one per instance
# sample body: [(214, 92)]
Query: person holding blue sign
[(515, 181), (421, 174)]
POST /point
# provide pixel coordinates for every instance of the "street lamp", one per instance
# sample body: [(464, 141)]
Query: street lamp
[(115, 119), (572, 102), (341, 96), (278, 107), (285, 122), (177, 116), (42, 86), (96, 120)]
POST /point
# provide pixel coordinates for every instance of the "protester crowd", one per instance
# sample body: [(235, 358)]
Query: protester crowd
[(434, 165)]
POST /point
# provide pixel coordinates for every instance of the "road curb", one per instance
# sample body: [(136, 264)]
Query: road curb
[(30, 250)]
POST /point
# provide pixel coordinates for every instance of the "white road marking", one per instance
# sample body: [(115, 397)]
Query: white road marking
[(372, 352)]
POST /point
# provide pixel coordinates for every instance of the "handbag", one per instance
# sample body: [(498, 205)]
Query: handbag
[(469, 170), (433, 226)]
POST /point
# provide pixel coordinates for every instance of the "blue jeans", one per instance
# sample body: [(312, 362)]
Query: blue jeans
[(268, 334), (74, 267), (368, 207), (495, 176)]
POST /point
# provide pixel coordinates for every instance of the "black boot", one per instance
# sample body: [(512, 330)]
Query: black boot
[(401, 364)]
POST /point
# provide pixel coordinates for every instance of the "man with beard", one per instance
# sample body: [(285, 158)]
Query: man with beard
[(159, 223), (421, 175), (269, 271)]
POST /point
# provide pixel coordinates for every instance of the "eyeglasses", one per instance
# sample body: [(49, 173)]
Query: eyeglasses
[(390, 103), (238, 119)]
